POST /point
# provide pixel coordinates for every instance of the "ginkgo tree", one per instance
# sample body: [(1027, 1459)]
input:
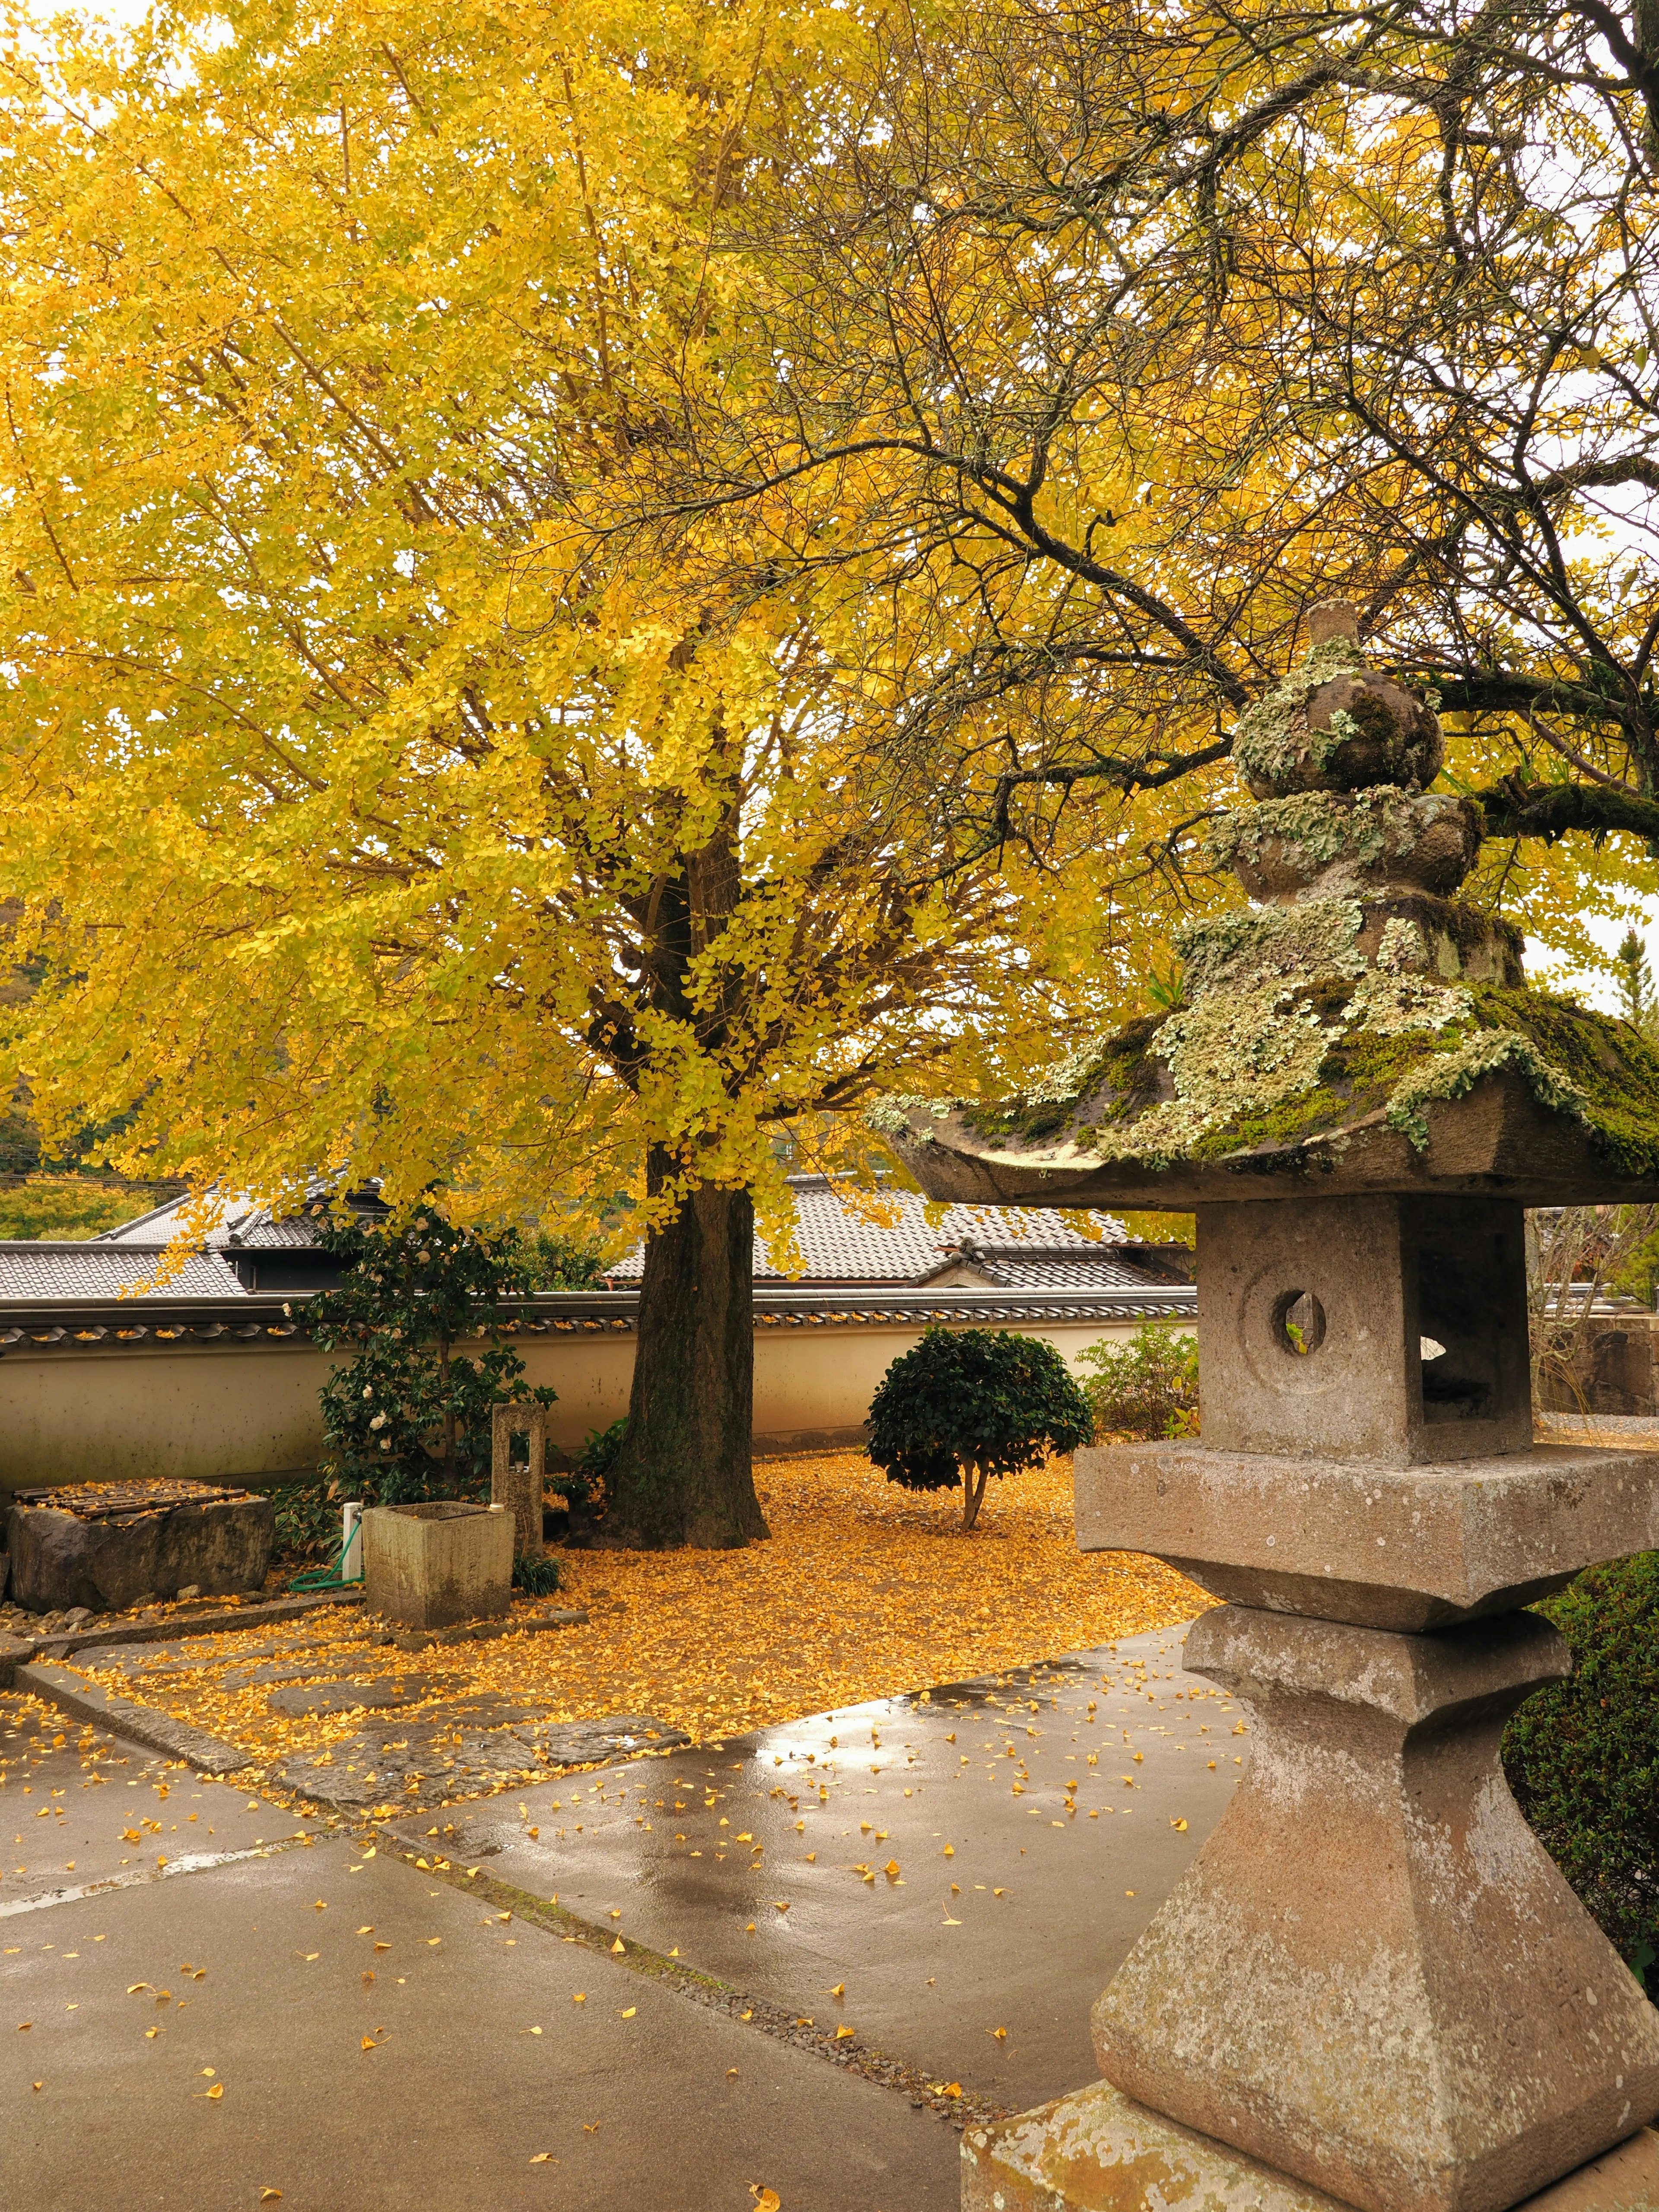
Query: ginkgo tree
[(374, 809)]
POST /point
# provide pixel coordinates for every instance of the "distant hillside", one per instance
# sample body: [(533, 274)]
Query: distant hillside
[(67, 1209)]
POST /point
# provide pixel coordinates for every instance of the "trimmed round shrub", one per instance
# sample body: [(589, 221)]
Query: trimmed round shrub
[(1583, 1755), (965, 1404)]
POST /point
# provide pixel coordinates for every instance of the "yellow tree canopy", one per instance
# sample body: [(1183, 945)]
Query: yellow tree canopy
[(369, 809)]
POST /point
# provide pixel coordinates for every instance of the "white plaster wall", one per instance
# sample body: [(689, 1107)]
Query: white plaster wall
[(217, 1410)]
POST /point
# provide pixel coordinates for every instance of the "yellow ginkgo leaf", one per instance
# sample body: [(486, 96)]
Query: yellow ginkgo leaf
[(271, 2197), (217, 2091), (766, 2200), (629, 2013)]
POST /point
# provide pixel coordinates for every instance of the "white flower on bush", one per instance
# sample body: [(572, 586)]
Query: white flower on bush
[(379, 1421)]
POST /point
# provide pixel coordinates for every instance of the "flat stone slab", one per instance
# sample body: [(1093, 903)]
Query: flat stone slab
[(1409, 1548), (212, 1620), (347, 1697), (1048, 1902), (106, 1545), (1098, 2151), (81, 1810), (339, 2000), (475, 1745), (84, 1700)]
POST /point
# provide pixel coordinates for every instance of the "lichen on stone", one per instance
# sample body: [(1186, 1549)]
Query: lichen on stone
[(1314, 829), (889, 1114), (1266, 743), (1234, 951), (1262, 1070), (1449, 1075)]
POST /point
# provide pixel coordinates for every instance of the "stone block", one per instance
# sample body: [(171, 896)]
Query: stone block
[(105, 1546), (1373, 1979), (519, 1484), (1382, 1547), (1391, 1329), (1098, 2151), (431, 1566)]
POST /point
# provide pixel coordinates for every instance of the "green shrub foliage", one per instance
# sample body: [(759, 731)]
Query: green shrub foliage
[(536, 1574), (1583, 1755), (966, 1404), (409, 1416), (1145, 1388)]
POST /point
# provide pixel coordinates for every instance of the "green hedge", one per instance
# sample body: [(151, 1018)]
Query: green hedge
[(1582, 1756)]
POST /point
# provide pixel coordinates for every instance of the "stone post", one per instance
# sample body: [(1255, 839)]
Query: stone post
[(516, 1486)]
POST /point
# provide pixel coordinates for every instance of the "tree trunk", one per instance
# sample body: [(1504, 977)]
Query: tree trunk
[(685, 1474), (974, 1481)]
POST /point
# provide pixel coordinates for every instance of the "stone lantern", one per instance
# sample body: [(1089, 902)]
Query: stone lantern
[(1372, 1986)]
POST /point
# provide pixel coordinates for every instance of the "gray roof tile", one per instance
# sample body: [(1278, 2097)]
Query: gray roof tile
[(838, 1246), (98, 1271)]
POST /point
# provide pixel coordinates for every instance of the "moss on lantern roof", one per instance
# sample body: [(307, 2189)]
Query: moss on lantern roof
[(1276, 1063)]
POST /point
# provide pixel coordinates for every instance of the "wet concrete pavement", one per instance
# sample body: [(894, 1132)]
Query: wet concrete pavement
[(379, 2042), (81, 1809), (381, 2036), (769, 1862)]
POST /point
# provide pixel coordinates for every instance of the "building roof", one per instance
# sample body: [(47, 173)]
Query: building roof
[(241, 1223), (43, 1270), (1023, 1246)]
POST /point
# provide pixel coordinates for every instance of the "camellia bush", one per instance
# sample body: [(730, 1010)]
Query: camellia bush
[(1146, 1387), (408, 1415), (966, 1404)]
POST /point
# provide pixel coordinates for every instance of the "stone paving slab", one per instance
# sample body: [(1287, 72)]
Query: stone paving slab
[(83, 1700), (358, 1691), (698, 1852), (212, 1620), (474, 1745), (115, 1813), (255, 1980)]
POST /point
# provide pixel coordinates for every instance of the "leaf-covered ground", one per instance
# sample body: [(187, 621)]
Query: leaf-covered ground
[(864, 1591)]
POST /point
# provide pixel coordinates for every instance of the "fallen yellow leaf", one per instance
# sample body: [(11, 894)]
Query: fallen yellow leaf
[(842, 2032), (369, 2044), (217, 2091), (618, 1945), (271, 2197), (629, 2013)]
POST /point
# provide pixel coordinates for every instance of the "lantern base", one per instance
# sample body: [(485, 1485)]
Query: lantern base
[(1099, 2151)]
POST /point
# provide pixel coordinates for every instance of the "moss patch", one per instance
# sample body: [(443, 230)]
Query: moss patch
[(1352, 1058)]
